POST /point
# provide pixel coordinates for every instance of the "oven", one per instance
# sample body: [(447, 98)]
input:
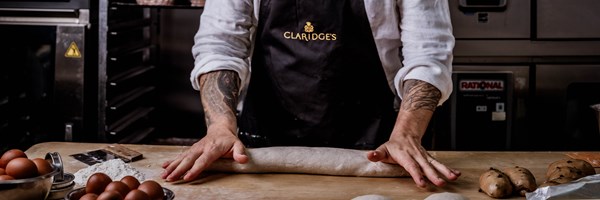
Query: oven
[(488, 103), (42, 77), (545, 54)]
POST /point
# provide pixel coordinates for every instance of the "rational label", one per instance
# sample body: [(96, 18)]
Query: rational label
[(481, 85)]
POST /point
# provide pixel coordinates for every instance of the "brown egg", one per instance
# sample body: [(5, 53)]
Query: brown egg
[(43, 166), (9, 155), (6, 177), (118, 186), (89, 196), (21, 168), (96, 183), (110, 195), (131, 181), (153, 189), (136, 195), (2, 172)]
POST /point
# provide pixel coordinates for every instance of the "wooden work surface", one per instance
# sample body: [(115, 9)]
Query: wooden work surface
[(301, 186)]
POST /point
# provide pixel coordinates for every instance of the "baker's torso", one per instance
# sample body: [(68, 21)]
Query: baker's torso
[(316, 78)]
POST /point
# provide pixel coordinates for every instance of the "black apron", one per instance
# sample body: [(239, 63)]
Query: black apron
[(316, 78)]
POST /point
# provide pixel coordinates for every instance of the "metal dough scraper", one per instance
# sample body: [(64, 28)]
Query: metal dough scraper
[(108, 153)]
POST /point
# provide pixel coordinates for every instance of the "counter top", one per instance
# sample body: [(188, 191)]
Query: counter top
[(302, 186)]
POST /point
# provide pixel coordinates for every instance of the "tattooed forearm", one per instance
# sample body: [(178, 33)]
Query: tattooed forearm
[(219, 95), (419, 95)]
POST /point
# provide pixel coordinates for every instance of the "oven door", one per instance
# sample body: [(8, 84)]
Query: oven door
[(41, 82), (564, 96), (488, 103)]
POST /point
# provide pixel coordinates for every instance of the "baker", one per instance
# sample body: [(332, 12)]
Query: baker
[(360, 74)]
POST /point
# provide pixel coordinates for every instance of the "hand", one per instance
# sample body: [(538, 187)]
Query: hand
[(217, 143), (408, 153)]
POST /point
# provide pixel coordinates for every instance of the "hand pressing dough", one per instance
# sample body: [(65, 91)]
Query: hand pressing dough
[(310, 160)]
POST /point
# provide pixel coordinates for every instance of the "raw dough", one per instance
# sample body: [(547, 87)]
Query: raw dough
[(310, 160), (446, 196), (591, 157)]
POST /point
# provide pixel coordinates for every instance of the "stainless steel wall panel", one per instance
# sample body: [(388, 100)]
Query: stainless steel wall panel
[(510, 22), (568, 19)]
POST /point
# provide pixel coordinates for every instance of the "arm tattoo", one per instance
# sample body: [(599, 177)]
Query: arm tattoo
[(420, 95), (219, 95)]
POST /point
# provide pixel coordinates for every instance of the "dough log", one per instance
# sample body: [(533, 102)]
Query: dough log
[(310, 160)]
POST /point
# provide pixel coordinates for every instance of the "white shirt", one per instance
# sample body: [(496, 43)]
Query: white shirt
[(420, 29)]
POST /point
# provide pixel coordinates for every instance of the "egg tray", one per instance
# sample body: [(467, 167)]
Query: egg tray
[(169, 195)]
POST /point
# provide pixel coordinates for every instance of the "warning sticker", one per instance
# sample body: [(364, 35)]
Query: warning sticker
[(73, 51)]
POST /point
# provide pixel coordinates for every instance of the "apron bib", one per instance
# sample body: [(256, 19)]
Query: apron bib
[(316, 78)]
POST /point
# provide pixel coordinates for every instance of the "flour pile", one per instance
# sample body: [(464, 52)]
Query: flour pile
[(115, 169)]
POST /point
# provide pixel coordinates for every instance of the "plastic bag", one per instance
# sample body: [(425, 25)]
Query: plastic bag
[(584, 188)]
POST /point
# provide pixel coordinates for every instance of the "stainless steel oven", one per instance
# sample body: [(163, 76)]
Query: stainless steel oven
[(551, 48), (488, 103), (43, 59)]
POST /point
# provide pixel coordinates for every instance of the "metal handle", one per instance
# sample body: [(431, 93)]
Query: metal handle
[(68, 132), (44, 16), (36, 10), (482, 5)]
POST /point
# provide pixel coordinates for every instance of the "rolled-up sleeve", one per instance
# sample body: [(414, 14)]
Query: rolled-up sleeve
[(427, 42), (223, 41)]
